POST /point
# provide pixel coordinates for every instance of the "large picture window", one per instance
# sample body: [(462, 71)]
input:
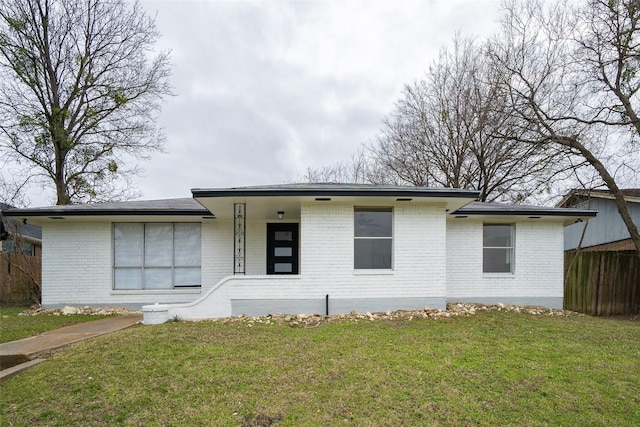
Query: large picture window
[(497, 254), (373, 238), (156, 255)]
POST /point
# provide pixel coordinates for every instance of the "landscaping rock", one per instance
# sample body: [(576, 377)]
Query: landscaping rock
[(86, 310), (69, 310), (453, 310), (315, 320)]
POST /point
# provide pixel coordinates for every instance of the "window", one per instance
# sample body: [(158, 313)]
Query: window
[(497, 248), (156, 255), (23, 248), (373, 238)]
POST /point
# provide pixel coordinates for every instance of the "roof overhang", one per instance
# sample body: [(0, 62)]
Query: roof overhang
[(266, 202), (170, 210), (40, 220), (492, 212)]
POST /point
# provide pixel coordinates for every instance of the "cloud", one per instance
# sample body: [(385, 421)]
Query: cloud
[(266, 89)]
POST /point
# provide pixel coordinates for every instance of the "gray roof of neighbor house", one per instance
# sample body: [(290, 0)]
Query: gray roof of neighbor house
[(579, 195), (608, 231), (13, 226)]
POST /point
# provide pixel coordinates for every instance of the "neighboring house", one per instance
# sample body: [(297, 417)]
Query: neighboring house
[(607, 231), (20, 252), (312, 248), (16, 237), (602, 278)]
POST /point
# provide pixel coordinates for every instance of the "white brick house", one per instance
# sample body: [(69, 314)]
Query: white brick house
[(312, 248)]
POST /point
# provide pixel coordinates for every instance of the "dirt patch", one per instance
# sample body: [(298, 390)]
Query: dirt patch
[(260, 420)]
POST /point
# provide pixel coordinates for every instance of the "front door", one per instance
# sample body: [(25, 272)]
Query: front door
[(282, 248)]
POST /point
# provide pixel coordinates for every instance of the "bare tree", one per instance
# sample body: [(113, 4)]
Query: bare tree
[(13, 192), (355, 171), (571, 75), (81, 90), (449, 130)]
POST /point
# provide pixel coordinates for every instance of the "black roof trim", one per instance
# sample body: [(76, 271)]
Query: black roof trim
[(105, 212), (335, 192), (542, 212), (14, 226), (166, 207), (492, 208)]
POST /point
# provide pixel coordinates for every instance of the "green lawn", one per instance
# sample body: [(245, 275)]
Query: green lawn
[(493, 368), (14, 327)]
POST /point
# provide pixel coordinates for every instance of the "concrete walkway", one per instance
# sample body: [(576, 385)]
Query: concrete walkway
[(17, 356)]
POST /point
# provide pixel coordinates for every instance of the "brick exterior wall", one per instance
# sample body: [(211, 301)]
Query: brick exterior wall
[(326, 257), (77, 269), (418, 277), (418, 253), (538, 269), (76, 263), (435, 259)]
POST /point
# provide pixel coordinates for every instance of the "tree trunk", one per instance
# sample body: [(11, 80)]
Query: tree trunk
[(613, 187), (61, 187)]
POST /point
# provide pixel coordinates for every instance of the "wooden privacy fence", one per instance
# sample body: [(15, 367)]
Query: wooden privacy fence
[(20, 278), (602, 283)]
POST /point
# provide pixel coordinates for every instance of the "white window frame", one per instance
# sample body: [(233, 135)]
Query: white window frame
[(357, 209), (142, 265), (511, 249)]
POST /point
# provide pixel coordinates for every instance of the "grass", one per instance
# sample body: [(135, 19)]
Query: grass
[(14, 327), (493, 368)]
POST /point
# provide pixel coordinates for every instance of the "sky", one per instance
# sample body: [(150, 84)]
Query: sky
[(266, 89)]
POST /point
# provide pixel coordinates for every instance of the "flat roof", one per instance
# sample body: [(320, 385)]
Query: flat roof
[(333, 189), (212, 197), (493, 208)]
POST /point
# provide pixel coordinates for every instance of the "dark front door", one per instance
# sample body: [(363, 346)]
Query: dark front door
[(282, 248)]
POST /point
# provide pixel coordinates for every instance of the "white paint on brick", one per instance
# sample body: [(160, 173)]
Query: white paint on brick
[(217, 301), (418, 253), (538, 270), (76, 263), (77, 269), (217, 250), (326, 262), (433, 258)]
